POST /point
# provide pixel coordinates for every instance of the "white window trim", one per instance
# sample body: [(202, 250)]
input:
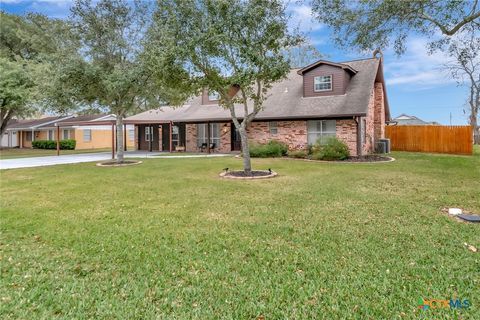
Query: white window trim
[(321, 132), (213, 139), (63, 134), (148, 133), (90, 135), (52, 133), (323, 82), (272, 127)]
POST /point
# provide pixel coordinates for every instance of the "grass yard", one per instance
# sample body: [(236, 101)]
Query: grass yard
[(169, 240), (13, 153)]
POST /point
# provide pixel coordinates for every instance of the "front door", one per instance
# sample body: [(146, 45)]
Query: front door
[(236, 141), (148, 137)]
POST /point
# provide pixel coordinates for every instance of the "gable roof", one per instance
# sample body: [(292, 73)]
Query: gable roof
[(285, 100), (35, 123), (406, 119), (344, 66), (50, 122)]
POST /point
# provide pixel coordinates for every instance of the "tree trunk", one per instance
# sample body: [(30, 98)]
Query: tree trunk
[(475, 127), (247, 165), (5, 118), (120, 141)]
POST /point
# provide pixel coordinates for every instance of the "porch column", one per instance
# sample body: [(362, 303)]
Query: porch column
[(33, 138), (58, 140), (20, 136), (171, 144), (208, 137), (113, 141), (124, 137)]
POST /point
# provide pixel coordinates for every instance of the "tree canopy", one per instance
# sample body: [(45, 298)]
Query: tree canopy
[(28, 45), (233, 48), (369, 24)]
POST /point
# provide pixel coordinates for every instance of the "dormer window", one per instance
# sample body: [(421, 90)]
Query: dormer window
[(322, 83), (213, 96)]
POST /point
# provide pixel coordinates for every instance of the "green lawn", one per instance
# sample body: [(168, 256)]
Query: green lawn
[(27, 153), (168, 239)]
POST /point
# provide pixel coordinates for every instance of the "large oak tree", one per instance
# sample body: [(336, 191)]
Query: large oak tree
[(235, 48)]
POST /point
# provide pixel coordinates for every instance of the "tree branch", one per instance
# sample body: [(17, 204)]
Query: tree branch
[(452, 31)]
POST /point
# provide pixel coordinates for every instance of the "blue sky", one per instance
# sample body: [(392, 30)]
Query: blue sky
[(415, 82)]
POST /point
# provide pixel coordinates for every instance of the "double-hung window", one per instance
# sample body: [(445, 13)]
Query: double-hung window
[(87, 135), (66, 134), (320, 130), (50, 135), (202, 136), (322, 83), (131, 135), (272, 125)]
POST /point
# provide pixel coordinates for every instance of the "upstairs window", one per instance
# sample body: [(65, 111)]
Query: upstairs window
[(322, 83), (213, 96)]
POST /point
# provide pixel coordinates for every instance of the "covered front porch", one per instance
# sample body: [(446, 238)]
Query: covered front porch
[(201, 137)]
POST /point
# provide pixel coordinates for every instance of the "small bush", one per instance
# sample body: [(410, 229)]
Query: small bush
[(270, 150), (299, 154), (334, 149), (68, 144)]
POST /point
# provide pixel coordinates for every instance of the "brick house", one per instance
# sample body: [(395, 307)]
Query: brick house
[(323, 99)]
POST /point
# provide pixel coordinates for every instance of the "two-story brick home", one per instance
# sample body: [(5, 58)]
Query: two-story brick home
[(347, 100)]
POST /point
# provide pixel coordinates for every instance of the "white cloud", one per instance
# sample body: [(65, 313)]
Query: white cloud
[(417, 69), (301, 18)]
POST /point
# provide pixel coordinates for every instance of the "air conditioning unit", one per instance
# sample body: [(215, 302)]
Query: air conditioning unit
[(380, 147), (387, 144)]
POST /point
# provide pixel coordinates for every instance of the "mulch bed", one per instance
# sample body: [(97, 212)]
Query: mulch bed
[(255, 174), (116, 164)]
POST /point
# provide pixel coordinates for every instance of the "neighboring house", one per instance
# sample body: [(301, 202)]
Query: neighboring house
[(347, 100), (89, 131), (405, 120)]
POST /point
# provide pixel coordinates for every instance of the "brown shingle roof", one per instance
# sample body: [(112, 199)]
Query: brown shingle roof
[(285, 101)]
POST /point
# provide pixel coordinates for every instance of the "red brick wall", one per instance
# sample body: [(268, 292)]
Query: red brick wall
[(368, 140), (293, 133), (347, 131), (379, 117)]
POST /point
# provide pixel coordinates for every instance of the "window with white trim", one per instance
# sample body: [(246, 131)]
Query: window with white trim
[(50, 135), (131, 135), (148, 133), (320, 130), (66, 134), (87, 135), (213, 96), (214, 134), (322, 83), (272, 125)]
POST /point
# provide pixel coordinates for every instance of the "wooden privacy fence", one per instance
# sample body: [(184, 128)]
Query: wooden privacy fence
[(441, 139)]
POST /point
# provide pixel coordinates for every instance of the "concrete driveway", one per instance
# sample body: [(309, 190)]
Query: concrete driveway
[(86, 157)]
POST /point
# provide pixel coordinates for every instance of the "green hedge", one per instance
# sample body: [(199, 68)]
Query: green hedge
[(68, 144), (270, 150), (334, 149)]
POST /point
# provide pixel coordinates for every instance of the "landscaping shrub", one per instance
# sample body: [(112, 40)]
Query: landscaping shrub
[(334, 149), (68, 144), (299, 154), (272, 149)]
